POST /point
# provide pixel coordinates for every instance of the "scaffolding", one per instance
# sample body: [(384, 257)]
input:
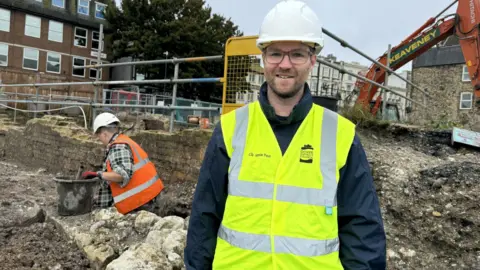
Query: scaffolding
[(94, 104), (99, 83)]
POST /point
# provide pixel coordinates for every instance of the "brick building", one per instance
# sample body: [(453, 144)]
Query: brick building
[(442, 71), (41, 41)]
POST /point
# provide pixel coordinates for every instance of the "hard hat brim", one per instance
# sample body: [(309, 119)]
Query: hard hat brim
[(316, 44)]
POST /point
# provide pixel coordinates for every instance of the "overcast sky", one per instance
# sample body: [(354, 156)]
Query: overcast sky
[(369, 25)]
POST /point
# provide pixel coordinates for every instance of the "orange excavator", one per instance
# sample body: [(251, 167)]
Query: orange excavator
[(464, 24)]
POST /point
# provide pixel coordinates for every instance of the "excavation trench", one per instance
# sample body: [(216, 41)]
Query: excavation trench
[(38, 230), (27, 240)]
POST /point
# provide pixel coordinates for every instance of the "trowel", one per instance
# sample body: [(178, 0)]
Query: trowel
[(77, 177)]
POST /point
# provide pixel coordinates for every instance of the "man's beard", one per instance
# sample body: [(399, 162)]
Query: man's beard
[(297, 87)]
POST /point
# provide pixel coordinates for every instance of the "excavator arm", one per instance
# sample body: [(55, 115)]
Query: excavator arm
[(464, 24)]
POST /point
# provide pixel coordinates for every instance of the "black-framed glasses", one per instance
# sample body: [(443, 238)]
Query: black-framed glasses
[(297, 57)]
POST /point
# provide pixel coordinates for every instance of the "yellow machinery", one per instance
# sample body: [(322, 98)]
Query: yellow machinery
[(242, 58)]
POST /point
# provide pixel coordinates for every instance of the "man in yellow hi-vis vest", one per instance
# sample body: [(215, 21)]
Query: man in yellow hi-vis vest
[(285, 183)]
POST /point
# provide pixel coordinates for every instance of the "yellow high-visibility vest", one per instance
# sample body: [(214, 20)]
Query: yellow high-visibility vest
[(281, 211)]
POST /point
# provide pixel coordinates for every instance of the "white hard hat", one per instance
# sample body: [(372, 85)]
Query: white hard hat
[(291, 20), (103, 120)]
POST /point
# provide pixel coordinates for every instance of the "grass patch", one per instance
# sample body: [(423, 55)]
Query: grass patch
[(362, 117)]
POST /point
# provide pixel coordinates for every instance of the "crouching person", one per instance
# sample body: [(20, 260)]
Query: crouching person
[(130, 180)]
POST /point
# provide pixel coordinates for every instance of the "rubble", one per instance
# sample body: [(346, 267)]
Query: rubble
[(428, 191), (429, 195), (26, 239), (114, 241), (143, 121)]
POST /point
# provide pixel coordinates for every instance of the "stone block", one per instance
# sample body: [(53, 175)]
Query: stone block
[(62, 149)]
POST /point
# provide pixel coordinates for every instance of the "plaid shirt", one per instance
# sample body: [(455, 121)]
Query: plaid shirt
[(121, 162)]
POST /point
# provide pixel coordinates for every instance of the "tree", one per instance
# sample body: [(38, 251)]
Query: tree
[(146, 29)]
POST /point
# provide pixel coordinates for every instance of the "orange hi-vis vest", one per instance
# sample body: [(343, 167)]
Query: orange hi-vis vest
[(145, 183)]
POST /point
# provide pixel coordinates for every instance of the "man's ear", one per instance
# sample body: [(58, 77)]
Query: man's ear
[(313, 59)]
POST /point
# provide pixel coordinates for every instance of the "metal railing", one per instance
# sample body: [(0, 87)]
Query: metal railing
[(95, 104), (98, 84), (175, 80)]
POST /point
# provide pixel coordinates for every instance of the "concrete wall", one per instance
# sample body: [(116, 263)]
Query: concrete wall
[(445, 85), (60, 146), (122, 72)]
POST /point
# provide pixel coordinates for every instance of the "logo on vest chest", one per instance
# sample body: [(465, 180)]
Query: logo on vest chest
[(306, 154)]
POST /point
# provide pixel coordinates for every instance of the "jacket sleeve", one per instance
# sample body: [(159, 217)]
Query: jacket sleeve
[(361, 231), (208, 205)]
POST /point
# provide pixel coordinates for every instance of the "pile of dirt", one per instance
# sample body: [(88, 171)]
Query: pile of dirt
[(38, 246), (429, 193), (176, 199), (27, 240)]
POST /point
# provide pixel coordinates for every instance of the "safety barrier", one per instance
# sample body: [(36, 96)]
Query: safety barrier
[(243, 59)]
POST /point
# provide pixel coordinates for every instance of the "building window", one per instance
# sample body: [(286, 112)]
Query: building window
[(99, 9), (251, 77), (58, 3), (83, 7), (465, 74), (78, 62), (3, 55), (326, 72), (96, 41), (466, 100), (336, 74), (80, 37), (53, 62), (313, 84), (32, 26), (93, 71), (30, 59), (55, 31), (4, 20)]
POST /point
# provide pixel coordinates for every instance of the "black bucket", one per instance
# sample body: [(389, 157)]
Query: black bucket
[(75, 197), (330, 103)]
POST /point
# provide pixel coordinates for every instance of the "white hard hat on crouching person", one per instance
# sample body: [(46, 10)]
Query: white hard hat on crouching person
[(291, 20), (103, 120)]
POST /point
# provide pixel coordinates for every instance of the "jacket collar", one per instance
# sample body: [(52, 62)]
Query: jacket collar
[(298, 113), (114, 137)]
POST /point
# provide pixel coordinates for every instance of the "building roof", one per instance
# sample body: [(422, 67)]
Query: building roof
[(437, 56)]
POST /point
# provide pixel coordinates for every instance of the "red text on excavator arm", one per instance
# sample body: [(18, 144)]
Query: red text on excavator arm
[(464, 24)]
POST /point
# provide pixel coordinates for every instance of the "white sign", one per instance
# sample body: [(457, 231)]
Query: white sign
[(95, 54), (466, 136)]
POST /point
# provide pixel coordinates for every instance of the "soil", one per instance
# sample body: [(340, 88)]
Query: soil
[(176, 199), (38, 246), (429, 193), (29, 241), (33, 243)]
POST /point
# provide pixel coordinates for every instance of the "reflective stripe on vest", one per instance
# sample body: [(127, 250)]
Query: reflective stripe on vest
[(135, 190), (140, 164), (311, 196), (283, 244)]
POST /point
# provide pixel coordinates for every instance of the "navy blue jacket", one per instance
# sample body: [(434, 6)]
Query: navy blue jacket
[(361, 231)]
